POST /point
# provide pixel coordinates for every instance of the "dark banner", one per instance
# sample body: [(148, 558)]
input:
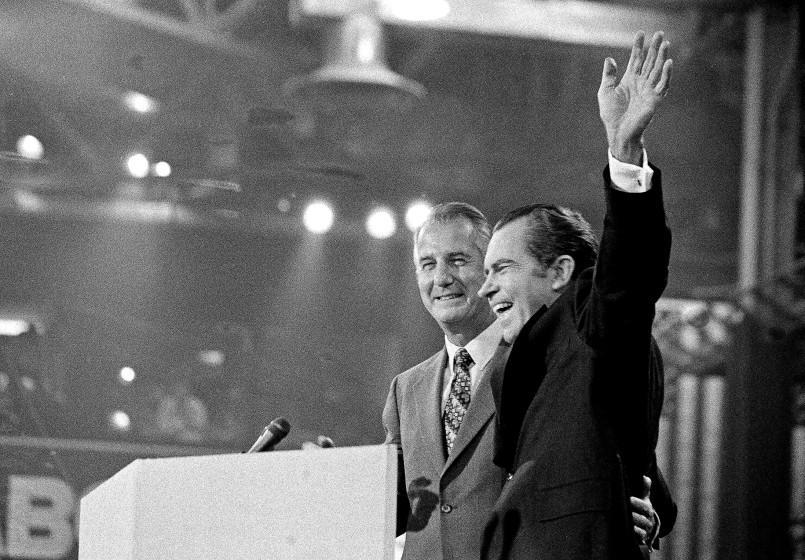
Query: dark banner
[(42, 481)]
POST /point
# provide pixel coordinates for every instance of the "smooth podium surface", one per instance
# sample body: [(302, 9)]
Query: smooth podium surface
[(327, 504)]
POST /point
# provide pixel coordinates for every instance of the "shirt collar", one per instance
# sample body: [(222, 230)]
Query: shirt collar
[(481, 348)]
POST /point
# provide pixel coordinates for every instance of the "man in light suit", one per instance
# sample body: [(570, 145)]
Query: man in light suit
[(449, 494), (578, 404), (448, 480)]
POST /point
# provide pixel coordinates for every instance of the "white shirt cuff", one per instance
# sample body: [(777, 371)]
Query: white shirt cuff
[(630, 178)]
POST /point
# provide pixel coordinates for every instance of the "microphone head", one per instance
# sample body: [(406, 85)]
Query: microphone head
[(279, 426), (272, 434)]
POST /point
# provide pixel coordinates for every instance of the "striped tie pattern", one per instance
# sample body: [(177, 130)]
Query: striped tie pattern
[(459, 398)]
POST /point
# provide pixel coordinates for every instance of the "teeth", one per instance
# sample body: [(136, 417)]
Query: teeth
[(449, 296), (501, 307)]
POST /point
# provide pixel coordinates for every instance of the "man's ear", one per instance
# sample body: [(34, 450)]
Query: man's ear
[(562, 268)]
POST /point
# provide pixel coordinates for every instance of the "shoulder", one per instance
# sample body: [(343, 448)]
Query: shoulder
[(424, 368)]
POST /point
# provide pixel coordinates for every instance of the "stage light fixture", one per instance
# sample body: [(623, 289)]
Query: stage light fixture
[(416, 214), (162, 169), (381, 223), (139, 103), (119, 420), (212, 358), (416, 10), (127, 375), (318, 217), (284, 205), (30, 147), (138, 165)]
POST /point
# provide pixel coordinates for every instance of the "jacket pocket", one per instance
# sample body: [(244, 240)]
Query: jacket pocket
[(578, 496)]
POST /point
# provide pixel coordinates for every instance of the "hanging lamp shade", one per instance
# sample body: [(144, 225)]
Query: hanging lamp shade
[(355, 69)]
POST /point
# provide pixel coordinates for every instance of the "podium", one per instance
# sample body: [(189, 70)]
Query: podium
[(286, 505)]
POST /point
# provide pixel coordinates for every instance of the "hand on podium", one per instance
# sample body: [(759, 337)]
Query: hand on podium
[(322, 442)]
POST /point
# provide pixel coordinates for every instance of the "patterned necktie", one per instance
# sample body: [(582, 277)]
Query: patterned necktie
[(459, 398)]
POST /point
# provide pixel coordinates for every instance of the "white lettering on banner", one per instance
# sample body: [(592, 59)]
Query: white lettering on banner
[(38, 517)]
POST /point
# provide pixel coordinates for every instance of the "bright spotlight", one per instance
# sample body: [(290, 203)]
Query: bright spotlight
[(127, 375), (417, 10), (212, 358), (119, 420), (162, 169), (318, 217), (30, 147), (381, 223), (139, 103), (416, 214), (137, 165)]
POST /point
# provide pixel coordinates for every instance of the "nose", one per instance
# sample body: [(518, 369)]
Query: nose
[(488, 288), (442, 275)]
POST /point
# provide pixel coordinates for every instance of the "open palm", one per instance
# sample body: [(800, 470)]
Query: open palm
[(627, 105)]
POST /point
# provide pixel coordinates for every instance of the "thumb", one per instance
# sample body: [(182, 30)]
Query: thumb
[(646, 486), (609, 77)]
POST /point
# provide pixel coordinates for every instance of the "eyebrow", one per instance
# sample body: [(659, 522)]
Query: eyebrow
[(498, 263), (450, 255)]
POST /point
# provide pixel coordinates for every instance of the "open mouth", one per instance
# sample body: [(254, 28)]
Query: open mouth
[(500, 309), (448, 297)]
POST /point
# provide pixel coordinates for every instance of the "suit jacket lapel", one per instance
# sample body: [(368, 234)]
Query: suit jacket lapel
[(428, 410), (482, 406)]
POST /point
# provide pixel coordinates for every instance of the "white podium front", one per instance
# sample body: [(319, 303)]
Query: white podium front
[(328, 504)]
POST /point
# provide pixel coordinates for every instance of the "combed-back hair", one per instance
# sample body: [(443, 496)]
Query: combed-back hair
[(554, 231), (450, 211)]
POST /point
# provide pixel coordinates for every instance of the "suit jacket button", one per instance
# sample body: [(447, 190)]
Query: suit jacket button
[(446, 508)]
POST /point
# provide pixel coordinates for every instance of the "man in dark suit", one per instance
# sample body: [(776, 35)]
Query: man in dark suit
[(448, 480), (578, 404)]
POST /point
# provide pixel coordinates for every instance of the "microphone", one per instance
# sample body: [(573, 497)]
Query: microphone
[(271, 436), (324, 442)]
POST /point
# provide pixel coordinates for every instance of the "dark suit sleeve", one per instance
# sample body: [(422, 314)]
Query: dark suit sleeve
[(391, 424), (615, 319)]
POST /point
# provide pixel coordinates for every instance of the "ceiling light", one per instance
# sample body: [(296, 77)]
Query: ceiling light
[(30, 147), (416, 214), (14, 327), (381, 223), (355, 73), (119, 420), (212, 358), (139, 103), (284, 205), (137, 165), (162, 169), (318, 217), (127, 375), (416, 10)]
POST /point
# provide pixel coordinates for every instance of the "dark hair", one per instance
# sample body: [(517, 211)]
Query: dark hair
[(451, 211), (554, 231)]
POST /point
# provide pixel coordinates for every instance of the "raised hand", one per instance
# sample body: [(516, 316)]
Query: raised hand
[(627, 105)]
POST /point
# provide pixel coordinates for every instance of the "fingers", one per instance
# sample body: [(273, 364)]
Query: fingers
[(641, 534), (659, 57), (640, 507), (651, 56), (636, 58), (642, 514), (664, 84)]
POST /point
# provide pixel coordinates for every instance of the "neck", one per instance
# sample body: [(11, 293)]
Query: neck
[(461, 336)]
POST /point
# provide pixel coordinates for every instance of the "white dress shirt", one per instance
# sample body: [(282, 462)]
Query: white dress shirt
[(481, 349)]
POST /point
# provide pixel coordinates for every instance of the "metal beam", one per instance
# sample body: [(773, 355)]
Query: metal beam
[(567, 21), (188, 31)]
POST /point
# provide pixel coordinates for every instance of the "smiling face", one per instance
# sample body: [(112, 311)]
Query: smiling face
[(449, 268), (517, 285)]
